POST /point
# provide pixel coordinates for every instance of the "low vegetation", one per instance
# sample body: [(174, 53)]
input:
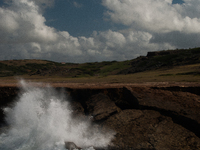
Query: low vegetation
[(170, 65)]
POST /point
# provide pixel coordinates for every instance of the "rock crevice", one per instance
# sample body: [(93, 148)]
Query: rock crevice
[(142, 117)]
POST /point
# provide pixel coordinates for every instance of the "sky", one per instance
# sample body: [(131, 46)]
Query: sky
[(81, 31)]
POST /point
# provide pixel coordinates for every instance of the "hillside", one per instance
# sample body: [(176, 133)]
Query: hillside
[(159, 60), (164, 59), (49, 68)]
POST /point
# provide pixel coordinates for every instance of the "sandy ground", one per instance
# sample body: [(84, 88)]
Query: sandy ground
[(105, 85)]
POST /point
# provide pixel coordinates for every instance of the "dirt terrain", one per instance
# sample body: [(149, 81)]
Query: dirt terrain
[(151, 115)]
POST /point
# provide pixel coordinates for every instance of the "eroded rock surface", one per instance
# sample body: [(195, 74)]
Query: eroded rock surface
[(100, 106), (144, 117)]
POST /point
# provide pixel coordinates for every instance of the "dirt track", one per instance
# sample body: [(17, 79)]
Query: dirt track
[(105, 85)]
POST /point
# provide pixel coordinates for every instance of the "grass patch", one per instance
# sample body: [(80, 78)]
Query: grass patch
[(114, 67), (161, 75)]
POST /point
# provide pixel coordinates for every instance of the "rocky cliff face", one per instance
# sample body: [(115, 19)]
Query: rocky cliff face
[(144, 117)]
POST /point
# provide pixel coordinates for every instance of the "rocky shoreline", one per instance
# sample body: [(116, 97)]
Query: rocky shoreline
[(144, 116)]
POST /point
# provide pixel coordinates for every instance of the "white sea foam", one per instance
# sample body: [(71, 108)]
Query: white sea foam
[(42, 120)]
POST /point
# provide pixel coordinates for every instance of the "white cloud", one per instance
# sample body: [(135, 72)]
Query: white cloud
[(24, 33), (151, 25), (155, 16), (113, 39), (8, 21), (22, 23), (112, 45), (31, 38)]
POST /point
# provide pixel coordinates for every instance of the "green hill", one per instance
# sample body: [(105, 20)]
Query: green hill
[(164, 60)]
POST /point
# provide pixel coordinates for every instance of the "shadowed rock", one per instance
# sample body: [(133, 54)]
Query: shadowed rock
[(143, 117), (71, 145), (100, 106)]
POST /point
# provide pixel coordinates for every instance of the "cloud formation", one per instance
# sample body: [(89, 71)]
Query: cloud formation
[(177, 25), (155, 16), (150, 25), (22, 23)]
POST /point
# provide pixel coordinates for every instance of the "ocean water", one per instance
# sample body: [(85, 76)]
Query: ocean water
[(41, 119)]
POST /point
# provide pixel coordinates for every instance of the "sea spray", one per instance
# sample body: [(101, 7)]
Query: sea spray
[(42, 119)]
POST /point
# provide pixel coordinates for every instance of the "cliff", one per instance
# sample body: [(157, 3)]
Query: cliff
[(143, 116)]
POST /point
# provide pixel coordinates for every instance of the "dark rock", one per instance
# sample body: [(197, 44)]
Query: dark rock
[(100, 106), (7, 98), (149, 129), (144, 117), (123, 98), (71, 145), (158, 53)]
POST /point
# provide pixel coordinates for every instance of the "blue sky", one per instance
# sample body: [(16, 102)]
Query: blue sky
[(79, 18), (177, 2), (83, 19), (95, 30)]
